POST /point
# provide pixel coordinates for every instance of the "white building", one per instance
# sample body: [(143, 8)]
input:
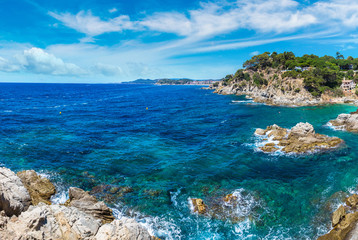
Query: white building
[(348, 85)]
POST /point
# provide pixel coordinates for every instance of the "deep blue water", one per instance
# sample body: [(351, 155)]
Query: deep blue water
[(188, 143)]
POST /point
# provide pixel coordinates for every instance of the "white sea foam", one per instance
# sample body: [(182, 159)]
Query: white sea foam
[(157, 226), (8, 111), (335, 128), (243, 101)]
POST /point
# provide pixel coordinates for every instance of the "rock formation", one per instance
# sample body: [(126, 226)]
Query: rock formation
[(39, 188), (83, 217), (344, 221), (14, 197), (348, 122), (89, 204), (125, 228), (51, 222), (277, 91), (299, 139)]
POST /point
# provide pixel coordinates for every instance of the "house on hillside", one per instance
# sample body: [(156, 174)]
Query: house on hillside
[(347, 85), (302, 69)]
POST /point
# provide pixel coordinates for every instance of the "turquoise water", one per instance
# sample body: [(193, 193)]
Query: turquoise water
[(189, 143)]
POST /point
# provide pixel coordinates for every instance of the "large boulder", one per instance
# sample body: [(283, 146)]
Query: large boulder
[(347, 122), (124, 229), (43, 222), (14, 198), (89, 204), (299, 139), (40, 189), (302, 130)]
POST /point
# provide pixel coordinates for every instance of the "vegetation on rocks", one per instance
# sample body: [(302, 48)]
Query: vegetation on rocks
[(319, 74)]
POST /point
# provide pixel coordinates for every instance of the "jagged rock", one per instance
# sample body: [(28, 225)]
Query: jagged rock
[(3, 220), (338, 215), (302, 130), (198, 205), (343, 230), (89, 204), (269, 147), (299, 139), (352, 201), (51, 222), (124, 229), (347, 122), (40, 189), (14, 198)]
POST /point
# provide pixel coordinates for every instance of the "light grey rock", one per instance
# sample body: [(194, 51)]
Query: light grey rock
[(347, 122), (14, 197), (124, 229), (44, 222), (302, 129)]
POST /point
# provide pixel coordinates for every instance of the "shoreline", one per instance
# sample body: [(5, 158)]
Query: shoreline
[(28, 211)]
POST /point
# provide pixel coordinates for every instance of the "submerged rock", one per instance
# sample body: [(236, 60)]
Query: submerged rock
[(14, 198), (301, 138), (347, 122), (40, 189), (89, 204)]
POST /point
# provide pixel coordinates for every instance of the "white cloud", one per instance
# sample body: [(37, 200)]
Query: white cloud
[(342, 13), (90, 25), (112, 10), (7, 66), (36, 60), (169, 22), (254, 53), (273, 15)]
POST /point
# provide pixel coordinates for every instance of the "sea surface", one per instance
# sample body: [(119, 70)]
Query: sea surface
[(147, 150)]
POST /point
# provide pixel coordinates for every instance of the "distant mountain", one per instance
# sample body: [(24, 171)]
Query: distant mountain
[(172, 81), (141, 81)]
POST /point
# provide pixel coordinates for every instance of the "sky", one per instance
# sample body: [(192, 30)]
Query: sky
[(110, 41)]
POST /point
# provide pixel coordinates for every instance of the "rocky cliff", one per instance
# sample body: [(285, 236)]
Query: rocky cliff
[(273, 87)]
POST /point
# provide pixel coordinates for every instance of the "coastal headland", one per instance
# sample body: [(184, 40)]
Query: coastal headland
[(284, 79)]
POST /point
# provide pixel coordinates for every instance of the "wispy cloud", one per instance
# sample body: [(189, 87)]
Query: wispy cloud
[(90, 25)]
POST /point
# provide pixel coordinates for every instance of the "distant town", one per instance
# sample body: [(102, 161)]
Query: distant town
[(168, 81)]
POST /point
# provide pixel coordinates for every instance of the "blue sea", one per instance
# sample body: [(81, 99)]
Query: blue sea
[(146, 150)]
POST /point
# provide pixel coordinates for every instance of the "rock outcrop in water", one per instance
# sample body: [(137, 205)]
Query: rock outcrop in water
[(348, 122), (83, 217), (301, 138), (344, 221)]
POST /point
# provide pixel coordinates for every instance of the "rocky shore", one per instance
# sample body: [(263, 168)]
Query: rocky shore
[(348, 122), (344, 221), (26, 212), (301, 138), (278, 90)]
